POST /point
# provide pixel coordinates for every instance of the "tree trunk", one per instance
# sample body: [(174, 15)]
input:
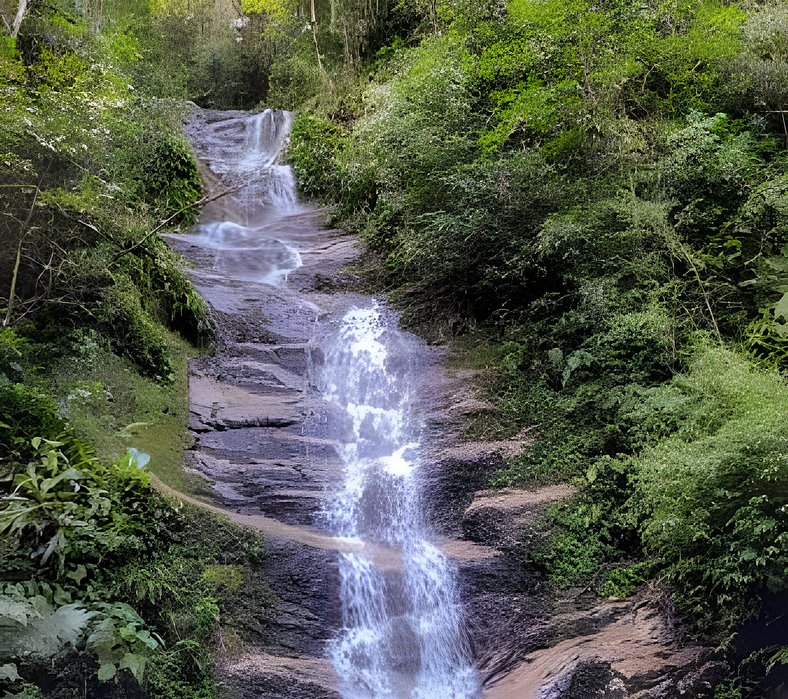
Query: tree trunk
[(434, 16), (346, 45), (313, 22), (21, 12)]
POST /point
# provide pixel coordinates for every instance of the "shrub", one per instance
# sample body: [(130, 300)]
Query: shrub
[(169, 179), (315, 145), (712, 497), (13, 352), (132, 331)]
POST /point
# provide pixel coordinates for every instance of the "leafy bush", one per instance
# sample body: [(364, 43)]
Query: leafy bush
[(25, 412), (315, 146), (13, 350), (704, 499), (712, 497), (169, 177), (102, 540), (293, 80), (64, 506)]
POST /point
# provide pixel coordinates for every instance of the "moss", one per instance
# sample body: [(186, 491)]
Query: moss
[(205, 584), (112, 406), (228, 577)]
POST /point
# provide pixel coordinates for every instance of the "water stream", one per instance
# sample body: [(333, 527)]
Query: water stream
[(402, 632), (246, 151)]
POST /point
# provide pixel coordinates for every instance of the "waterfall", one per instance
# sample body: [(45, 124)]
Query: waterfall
[(402, 632), (267, 135), (247, 152)]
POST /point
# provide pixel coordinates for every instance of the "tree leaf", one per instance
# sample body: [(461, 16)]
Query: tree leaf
[(106, 672), (135, 663)]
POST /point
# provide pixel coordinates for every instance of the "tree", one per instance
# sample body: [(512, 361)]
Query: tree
[(22, 10)]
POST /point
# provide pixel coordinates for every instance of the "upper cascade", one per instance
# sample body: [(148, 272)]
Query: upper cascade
[(247, 152)]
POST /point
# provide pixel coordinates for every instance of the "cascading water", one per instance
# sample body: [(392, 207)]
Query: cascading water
[(402, 634), (402, 630), (246, 151)]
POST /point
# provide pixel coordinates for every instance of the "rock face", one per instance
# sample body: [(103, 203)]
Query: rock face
[(259, 440), (262, 440)]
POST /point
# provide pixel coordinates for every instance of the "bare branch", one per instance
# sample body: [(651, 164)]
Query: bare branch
[(24, 229), (197, 204)]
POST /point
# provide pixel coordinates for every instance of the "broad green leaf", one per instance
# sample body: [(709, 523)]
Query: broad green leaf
[(135, 663), (106, 672)]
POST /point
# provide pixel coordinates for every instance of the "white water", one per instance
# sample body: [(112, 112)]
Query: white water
[(246, 150), (402, 632)]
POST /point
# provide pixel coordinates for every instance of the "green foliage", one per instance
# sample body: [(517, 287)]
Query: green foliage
[(110, 405), (99, 569), (761, 70), (13, 351), (767, 338), (121, 641), (168, 177), (293, 81), (599, 190), (704, 498), (134, 334), (25, 412), (712, 497), (317, 144), (206, 579), (759, 671), (102, 541), (63, 506), (621, 582), (110, 166), (592, 530), (37, 621)]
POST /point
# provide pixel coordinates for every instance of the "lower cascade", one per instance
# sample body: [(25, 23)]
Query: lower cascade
[(402, 632)]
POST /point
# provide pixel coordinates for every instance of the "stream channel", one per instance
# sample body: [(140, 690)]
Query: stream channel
[(318, 421), (337, 419)]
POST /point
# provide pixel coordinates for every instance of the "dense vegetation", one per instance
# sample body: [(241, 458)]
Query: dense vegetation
[(599, 191), (105, 585), (595, 192)]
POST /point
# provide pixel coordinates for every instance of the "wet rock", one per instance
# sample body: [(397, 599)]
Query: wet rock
[(586, 680)]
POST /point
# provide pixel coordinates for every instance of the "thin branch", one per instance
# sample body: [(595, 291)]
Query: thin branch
[(705, 295), (23, 231), (197, 204)]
